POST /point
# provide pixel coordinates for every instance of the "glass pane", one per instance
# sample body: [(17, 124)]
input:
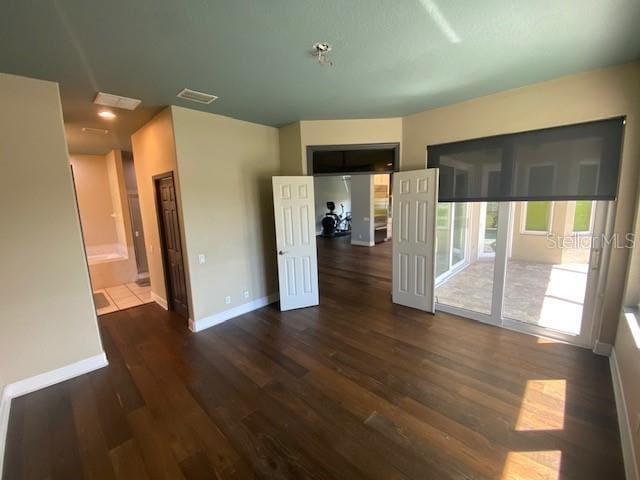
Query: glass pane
[(469, 285), (458, 253), (538, 216), (443, 238), (582, 216), (490, 233), (546, 278)]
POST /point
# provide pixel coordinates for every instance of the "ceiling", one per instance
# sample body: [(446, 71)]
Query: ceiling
[(391, 57)]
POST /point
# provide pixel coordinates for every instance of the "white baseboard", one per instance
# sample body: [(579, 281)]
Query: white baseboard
[(159, 300), (43, 380), (362, 243), (603, 349), (199, 325), (624, 422), (5, 403)]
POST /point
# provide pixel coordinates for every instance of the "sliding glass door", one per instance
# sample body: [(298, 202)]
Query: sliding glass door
[(529, 266), (451, 238)]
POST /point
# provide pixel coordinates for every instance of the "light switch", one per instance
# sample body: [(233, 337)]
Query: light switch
[(201, 259)]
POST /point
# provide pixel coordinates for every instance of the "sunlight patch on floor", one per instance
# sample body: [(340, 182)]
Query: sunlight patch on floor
[(543, 464), (542, 406)]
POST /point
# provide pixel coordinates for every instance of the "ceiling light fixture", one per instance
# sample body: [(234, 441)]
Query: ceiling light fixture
[(321, 52), (107, 114)]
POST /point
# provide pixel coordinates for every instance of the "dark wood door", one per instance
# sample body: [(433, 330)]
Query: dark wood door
[(171, 245)]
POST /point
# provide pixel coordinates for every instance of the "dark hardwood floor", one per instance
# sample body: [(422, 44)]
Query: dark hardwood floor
[(355, 388)]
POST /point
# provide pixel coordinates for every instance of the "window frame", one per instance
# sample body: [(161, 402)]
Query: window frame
[(591, 219), (523, 220)]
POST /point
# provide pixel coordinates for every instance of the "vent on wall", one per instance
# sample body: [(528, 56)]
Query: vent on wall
[(196, 96)]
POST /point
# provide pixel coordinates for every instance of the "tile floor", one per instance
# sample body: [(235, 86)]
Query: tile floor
[(542, 294), (124, 296)]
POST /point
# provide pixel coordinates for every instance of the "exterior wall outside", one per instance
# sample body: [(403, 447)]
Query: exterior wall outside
[(534, 247)]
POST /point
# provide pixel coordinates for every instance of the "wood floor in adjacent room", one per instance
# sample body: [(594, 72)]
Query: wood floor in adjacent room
[(355, 388)]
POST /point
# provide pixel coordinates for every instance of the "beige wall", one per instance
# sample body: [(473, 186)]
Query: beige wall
[(47, 318), (588, 96), (154, 151), (290, 149), (627, 354), (225, 169), (536, 247), (94, 199), (296, 137)]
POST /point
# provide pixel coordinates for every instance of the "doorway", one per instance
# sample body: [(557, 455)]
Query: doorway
[(171, 244), (528, 266)]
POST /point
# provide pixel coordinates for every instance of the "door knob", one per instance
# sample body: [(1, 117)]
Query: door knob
[(281, 252)]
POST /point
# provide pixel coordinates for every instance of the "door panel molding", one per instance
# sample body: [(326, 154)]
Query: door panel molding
[(294, 213), (414, 216), (171, 246)]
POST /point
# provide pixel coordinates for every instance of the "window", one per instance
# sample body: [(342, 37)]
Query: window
[(537, 217), (582, 216)]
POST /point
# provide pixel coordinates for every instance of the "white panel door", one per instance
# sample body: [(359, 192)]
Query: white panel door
[(294, 210), (414, 209)]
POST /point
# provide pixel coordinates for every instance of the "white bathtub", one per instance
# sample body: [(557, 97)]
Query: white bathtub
[(113, 252)]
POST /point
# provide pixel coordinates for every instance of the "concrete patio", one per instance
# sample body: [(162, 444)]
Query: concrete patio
[(548, 295)]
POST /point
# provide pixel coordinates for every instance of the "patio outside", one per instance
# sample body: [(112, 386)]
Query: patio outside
[(545, 285)]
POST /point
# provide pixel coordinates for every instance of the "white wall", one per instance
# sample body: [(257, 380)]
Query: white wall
[(334, 188), (47, 317), (362, 227)]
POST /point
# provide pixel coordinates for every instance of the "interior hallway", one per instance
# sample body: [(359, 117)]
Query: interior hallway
[(355, 388)]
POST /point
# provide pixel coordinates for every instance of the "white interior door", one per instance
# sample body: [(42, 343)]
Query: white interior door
[(414, 204), (294, 210)]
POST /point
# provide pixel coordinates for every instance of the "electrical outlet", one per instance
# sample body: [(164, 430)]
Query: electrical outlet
[(246, 294), (227, 299), (201, 258)]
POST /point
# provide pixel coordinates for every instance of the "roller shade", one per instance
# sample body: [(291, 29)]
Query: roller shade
[(574, 162)]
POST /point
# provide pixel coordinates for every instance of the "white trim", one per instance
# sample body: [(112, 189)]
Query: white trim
[(210, 321), (362, 243), (603, 349), (626, 437), (159, 300), (523, 220), (5, 404), (43, 380)]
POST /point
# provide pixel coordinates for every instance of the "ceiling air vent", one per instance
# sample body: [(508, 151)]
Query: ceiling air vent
[(196, 96), (116, 101)]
